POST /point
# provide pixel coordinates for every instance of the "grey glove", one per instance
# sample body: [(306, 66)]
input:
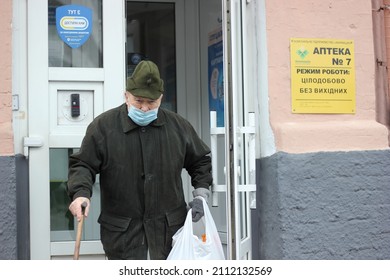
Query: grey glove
[(197, 209), (197, 204)]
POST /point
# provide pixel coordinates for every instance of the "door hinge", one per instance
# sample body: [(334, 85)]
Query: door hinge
[(15, 102)]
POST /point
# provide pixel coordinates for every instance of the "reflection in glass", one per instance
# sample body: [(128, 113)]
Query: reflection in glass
[(63, 225), (60, 216), (61, 220), (151, 35)]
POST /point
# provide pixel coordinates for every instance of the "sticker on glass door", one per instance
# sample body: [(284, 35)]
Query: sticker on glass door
[(74, 24)]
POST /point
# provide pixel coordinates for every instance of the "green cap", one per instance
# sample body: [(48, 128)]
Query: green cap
[(145, 81)]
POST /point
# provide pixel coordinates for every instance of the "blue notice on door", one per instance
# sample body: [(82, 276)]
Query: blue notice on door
[(74, 24), (215, 66)]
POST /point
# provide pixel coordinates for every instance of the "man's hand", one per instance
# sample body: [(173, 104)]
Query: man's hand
[(197, 209), (76, 207)]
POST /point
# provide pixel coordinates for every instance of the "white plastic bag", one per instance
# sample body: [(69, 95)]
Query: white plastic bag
[(197, 241)]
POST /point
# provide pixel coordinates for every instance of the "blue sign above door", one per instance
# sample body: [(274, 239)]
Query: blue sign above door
[(74, 24)]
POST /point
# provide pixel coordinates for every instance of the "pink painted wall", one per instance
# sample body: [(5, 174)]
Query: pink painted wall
[(6, 134), (387, 31), (341, 19)]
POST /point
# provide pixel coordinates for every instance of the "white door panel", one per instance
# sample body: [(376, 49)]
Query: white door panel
[(50, 85)]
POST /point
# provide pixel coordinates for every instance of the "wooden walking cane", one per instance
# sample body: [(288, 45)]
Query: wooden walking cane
[(79, 232)]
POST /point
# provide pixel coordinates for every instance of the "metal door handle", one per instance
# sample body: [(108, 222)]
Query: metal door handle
[(31, 142)]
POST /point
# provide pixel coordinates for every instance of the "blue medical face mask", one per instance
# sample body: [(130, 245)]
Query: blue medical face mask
[(142, 118)]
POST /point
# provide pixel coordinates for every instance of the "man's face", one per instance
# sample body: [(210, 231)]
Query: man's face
[(142, 103)]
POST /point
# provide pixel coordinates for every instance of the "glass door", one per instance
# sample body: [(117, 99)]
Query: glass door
[(63, 57), (239, 132), (67, 56)]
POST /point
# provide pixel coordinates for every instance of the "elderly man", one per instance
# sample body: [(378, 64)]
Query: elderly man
[(139, 150)]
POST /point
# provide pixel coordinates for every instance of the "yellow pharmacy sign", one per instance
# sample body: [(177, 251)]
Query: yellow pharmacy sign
[(322, 76)]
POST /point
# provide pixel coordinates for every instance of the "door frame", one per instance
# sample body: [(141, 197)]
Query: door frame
[(109, 80), (240, 131)]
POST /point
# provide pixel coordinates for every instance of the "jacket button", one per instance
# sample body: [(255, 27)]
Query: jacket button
[(143, 129)]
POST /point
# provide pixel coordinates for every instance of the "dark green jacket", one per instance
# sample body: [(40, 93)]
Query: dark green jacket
[(140, 167)]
